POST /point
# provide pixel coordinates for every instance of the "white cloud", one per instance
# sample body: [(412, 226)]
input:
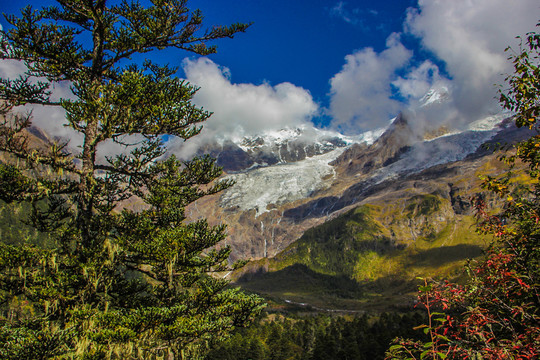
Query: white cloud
[(467, 36), (417, 82), (49, 118), (361, 92), (10, 69), (239, 109), (243, 109), (470, 36)]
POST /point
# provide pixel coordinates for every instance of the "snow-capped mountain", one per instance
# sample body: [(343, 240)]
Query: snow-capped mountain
[(396, 153), (289, 180), (278, 147), (436, 95)]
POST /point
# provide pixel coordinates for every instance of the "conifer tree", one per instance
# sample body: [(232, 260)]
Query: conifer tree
[(111, 282)]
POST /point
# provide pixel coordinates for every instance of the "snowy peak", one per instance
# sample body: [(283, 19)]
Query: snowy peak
[(275, 147), (386, 149), (326, 140), (436, 95)]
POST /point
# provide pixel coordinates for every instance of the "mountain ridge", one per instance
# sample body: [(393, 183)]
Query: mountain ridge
[(262, 223)]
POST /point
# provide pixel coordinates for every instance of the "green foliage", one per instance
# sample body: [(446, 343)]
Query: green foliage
[(522, 95), (100, 282), (13, 231), (367, 243), (363, 259)]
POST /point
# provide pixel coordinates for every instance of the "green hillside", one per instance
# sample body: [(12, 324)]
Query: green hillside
[(369, 257)]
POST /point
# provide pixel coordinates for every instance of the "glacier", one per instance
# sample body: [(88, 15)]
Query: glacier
[(259, 188), (447, 148)]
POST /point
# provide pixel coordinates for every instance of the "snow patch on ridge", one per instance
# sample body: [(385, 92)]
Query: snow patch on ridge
[(444, 149), (489, 123)]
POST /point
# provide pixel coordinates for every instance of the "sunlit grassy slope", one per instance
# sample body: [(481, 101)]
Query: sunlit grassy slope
[(369, 257)]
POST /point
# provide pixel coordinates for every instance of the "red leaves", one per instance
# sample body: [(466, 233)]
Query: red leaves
[(493, 316), (522, 284)]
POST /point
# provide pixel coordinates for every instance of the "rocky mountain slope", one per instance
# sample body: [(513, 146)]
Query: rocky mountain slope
[(279, 147), (386, 227), (362, 159), (271, 206)]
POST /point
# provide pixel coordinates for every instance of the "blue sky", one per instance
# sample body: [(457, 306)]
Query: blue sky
[(302, 42), (348, 65)]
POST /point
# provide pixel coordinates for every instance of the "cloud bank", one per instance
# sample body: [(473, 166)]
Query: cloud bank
[(361, 94), (467, 36), (242, 109), (239, 109), (470, 36)]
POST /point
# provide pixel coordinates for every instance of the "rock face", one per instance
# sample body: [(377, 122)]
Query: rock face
[(231, 157), (272, 148), (363, 159)]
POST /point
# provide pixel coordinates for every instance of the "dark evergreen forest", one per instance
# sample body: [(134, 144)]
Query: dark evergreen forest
[(318, 337)]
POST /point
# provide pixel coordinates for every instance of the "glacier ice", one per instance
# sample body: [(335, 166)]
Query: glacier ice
[(259, 188), (444, 149)]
